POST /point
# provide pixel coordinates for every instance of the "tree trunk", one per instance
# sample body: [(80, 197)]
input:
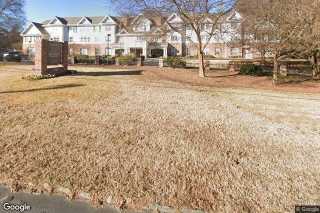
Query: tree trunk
[(315, 71), (275, 69), (202, 66)]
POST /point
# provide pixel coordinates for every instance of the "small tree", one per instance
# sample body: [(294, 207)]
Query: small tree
[(194, 14)]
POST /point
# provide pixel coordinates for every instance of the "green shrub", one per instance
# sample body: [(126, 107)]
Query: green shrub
[(175, 61), (38, 77), (84, 59), (126, 60), (251, 69), (107, 59)]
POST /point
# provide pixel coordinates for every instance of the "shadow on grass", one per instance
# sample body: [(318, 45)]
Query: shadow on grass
[(106, 73), (62, 86)]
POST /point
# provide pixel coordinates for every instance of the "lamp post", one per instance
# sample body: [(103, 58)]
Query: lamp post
[(108, 44)]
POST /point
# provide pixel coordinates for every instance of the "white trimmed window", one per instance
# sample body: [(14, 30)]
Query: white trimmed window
[(140, 38), (174, 38), (235, 52), (217, 51), (70, 39), (74, 29), (83, 51), (85, 39), (97, 51), (108, 51)]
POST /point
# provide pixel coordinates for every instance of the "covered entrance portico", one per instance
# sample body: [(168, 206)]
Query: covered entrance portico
[(136, 51), (157, 50)]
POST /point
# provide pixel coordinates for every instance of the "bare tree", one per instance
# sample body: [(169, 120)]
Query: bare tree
[(12, 18), (285, 28), (194, 14)]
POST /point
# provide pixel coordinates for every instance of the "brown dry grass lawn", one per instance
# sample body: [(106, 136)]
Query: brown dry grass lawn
[(146, 140)]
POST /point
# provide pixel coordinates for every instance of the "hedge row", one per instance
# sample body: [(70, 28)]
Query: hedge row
[(126, 60), (85, 59), (254, 70)]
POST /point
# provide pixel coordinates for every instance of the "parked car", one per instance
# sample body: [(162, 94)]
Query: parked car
[(12, 56), (2, 51)]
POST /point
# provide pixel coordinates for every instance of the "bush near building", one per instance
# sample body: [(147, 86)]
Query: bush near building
[(175, 62), (84, 59), (126, 60), (107, 59), (252, 69)]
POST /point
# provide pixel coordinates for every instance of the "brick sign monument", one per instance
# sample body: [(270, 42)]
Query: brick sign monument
[(49, 53)]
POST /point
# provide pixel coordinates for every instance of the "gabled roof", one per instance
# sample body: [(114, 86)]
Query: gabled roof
[(38, 26), (236, 16), (127, 22), (106, 18), (134, 21), (174, 16), (57, 19), (89, 20), (76, 20), (130, 22), (123, 31)]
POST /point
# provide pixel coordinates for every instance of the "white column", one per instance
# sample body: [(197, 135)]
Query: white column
[(144, 52), (165, 52)]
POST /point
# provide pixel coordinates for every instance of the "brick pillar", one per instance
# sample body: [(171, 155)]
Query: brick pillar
[(64, 55), (41, 56), (98, 60)]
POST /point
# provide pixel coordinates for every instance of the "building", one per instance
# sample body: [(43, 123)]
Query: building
[(142, 35)]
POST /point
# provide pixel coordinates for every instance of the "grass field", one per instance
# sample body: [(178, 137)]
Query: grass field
[(145, 139)]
